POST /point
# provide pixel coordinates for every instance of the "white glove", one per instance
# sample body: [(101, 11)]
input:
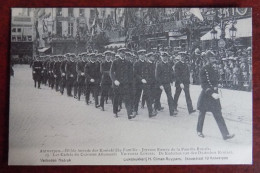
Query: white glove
[(33, 72), (42, 71), (143, 81), (182, 86), (117, 83), (215, 96), (49, 71), (63, 74), (92, 80), (161, 87), (44, 68), (82, 74), (71, 75), (55, 76)]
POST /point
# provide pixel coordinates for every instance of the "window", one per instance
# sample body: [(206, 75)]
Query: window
[(14, 30), (29, 38), (13, 38), (59, 28), (81, 12), (19, 38), (19, 30), (70, 29), (59, 11), (70, 12)]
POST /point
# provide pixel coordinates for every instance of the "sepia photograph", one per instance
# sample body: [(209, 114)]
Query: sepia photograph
[(130, 86)]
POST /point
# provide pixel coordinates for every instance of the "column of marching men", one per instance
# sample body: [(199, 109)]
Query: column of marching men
[(122, 77), (127, 77)]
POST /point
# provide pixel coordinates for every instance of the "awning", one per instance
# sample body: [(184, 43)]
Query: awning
[(42, 50), (244, 29), (113, 45), (184, 37)]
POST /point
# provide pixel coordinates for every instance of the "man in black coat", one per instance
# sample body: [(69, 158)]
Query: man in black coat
[(50, 72), (92, 75), (106, 82), (138, 70), (148, 80), (56, 71), (164, 76), (63, 73), (36, 70), (121, 74), (182, 82), (80, 65), (71, 73), (209, 97)]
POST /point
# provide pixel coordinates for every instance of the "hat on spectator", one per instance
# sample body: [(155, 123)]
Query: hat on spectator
[(197, 51), (142, 51)]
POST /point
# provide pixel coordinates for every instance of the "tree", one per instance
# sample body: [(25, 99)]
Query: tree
[(100, 40)]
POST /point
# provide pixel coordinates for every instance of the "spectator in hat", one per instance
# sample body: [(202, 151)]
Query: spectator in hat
[(209, 97)]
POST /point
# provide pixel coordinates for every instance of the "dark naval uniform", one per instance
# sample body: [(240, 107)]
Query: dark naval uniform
[(37, 70), (106, 82), (50, 74), (45, 72), (70, 76), (164, 76), (206, 103), (182, 75), (63, 76), (138, 70), (56, 74), (80, 77), (92, 71), (122, 71), (148, 73)]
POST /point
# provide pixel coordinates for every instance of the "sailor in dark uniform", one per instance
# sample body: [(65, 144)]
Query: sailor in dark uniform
[(182, 82), (56, 71), (50, 69), (106, 82), (148, 83), (92, 74), (44, 69), (36, 71), (209, 97), (164, 76), (63, 72), (121, 74), (70, 69), (80, 74), (138, 67)]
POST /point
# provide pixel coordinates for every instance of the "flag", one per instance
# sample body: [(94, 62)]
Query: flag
[(196, 12)]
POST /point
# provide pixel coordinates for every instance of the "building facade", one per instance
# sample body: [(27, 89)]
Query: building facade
[(21, 37)]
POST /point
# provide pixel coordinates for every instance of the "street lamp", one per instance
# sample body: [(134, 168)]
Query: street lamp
[(232, 31)]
